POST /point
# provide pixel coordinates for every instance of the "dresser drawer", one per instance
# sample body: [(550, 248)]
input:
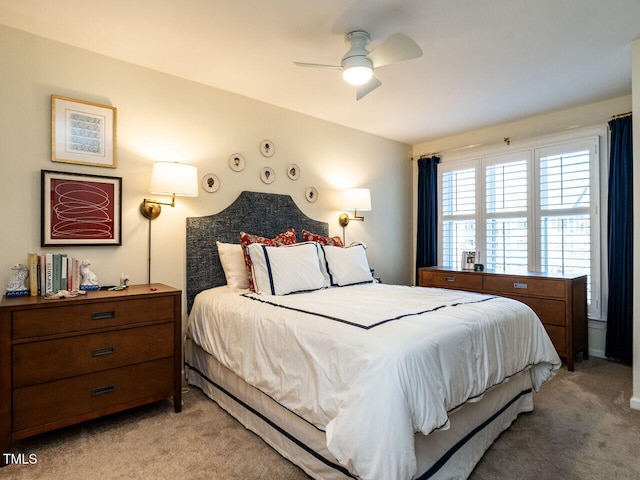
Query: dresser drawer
[(517, 285), (80, 317), (450, 280), (549, 311), (74, 397), (49, 360)]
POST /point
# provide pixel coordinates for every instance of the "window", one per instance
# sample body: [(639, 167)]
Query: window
[(565, 209), (458, 207), (506, 204), (534, 210)]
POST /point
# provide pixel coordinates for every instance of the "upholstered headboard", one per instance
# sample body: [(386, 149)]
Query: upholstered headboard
[(265, 214)]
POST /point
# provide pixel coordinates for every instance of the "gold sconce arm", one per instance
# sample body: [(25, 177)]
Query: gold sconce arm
[(344, 219), (151, 208)]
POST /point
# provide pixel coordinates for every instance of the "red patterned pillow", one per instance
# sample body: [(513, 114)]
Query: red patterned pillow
[(307, 236), (285, 238)]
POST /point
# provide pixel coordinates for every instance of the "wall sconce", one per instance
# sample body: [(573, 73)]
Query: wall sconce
[(170, 178), (354, 199)]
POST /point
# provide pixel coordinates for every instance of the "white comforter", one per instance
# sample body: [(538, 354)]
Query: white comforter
[(373, 364)]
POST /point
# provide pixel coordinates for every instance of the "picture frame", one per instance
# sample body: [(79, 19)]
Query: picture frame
[(83, 132), (210, 183), (236, 162), (80, 209), (267, 148), (293, 171), (267, 175), (311, 194), (468, 260)]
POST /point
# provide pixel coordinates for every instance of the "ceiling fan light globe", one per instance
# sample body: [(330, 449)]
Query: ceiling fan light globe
[(357, 75)]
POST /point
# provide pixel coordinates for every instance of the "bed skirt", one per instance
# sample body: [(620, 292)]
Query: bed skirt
[(446, 454)]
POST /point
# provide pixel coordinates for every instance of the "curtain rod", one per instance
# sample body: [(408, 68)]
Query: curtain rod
[(621, 115), (451, 150), (507, 140)]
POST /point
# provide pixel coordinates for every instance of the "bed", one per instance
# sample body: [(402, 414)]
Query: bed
[(353, 379)]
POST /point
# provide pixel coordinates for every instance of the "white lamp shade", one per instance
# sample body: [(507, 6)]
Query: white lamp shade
[(173, 178), (356, 199)]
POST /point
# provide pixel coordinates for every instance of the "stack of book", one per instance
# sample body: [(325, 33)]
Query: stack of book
[(52, 272)]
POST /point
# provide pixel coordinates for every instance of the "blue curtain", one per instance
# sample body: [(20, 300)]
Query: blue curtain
[(619, 344), (427, 242)]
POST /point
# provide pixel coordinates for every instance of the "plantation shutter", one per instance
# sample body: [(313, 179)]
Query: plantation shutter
[(506, 190), (458, 214), (565, 201)]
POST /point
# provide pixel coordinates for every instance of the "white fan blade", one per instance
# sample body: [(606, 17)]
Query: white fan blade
[(368, 87), (396, 48), (316, 65)]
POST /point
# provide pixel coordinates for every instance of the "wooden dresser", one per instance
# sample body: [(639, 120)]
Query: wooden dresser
[(69, 360), (559, 301)]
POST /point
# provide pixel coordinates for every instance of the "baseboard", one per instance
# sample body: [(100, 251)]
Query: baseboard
[(635, 403)]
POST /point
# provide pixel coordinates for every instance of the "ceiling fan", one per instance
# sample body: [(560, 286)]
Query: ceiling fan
[(358, 63)]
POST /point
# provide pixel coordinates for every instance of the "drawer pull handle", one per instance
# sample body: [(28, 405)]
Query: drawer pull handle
[(520, 285), (450, 279), (102, 390), (102, 315), (99, 352)]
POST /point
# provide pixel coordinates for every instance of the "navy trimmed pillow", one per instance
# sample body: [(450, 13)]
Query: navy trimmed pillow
[(287, 237), (347, 265), (285, 269)]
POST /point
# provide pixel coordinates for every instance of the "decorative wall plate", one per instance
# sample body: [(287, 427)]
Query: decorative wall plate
[(267, 148), (210, 183), (293, 171), (311, 194), (236, 162), (267, 175)]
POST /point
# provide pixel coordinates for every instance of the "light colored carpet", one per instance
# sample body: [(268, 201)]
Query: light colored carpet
[(582, 429)]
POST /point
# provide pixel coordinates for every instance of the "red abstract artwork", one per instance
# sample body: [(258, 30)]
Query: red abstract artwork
[(82, 210)]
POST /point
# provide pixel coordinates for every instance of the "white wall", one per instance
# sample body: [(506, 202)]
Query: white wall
[(585, 117), (635, 76), (161, 117)]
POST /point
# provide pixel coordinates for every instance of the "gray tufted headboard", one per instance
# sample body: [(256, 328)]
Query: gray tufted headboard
[(265, 214)]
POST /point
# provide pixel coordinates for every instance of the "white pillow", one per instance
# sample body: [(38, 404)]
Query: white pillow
[(232, 260), (347, 265), (285, 269)]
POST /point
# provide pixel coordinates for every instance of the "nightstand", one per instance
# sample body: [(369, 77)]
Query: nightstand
[(68, 360)]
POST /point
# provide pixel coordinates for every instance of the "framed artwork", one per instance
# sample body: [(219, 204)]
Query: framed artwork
[(80, 209), (468, 260), (236, 162), (267, 148), (293, 171), (83, 132), (311, 194), (210, 183), (267, 175)]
